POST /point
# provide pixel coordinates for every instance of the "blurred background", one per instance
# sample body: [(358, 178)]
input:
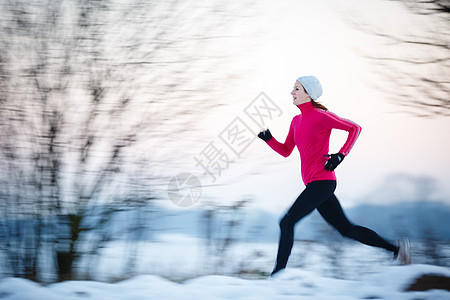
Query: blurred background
[(103, 103)]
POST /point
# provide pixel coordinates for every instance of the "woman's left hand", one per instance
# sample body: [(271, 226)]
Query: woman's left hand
[(334, 161), (265, 135)]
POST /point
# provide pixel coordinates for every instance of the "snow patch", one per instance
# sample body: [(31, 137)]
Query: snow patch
[(388, 283)]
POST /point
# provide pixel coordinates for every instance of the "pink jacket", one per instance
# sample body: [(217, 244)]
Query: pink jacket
[(310, 132)]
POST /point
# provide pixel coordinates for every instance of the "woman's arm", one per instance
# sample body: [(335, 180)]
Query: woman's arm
[(286, 148), (334, 121)]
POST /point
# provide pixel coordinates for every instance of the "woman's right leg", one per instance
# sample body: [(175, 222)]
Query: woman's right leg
[(332, 212), (312, 197)]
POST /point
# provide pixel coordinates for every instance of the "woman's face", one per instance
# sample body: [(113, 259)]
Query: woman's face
[(299, 94)]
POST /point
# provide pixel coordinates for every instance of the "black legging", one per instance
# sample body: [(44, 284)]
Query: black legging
[(320, 195)]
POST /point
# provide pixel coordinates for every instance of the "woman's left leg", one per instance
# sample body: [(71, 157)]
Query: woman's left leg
[(312, 197), (332, 212)]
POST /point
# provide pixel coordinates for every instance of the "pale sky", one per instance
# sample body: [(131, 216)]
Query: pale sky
[(310, 38)]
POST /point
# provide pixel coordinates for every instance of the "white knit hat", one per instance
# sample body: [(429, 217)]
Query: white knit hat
[(312, 86)]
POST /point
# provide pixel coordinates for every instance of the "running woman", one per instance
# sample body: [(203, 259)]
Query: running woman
[(310, 132)]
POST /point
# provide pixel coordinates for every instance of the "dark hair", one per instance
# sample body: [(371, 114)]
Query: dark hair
[(318, 105)]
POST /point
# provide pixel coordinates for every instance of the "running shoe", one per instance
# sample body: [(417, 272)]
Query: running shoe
[(404, 251)]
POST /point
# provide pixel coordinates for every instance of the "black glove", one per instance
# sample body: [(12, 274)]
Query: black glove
[(334, 161), (265, 135)]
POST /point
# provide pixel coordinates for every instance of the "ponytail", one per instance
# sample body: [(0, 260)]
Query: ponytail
[(318, 105)]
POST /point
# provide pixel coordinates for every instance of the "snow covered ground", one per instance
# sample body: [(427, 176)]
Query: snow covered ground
[(388, 283), (182, 267), (315, 271), (178, 257)]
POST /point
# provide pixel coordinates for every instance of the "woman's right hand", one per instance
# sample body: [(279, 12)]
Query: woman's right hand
[(265, 135), (333, 161)]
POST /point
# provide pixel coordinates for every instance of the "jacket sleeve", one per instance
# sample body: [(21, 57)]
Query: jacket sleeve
[(286, 148), (332, 121)]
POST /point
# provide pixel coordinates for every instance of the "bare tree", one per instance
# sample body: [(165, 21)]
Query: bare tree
[(220, 229), (414, 63), (88, 92)]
